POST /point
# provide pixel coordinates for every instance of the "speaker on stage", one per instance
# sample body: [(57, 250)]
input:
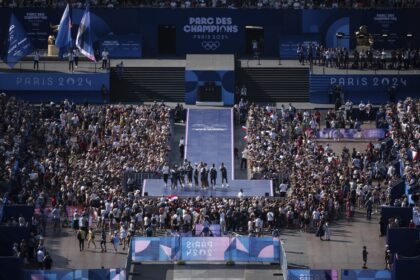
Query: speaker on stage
[(267, 194), (146, 194)]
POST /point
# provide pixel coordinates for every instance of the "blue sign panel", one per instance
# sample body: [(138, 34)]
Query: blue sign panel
[(80, 274), (365, 274), (53, 82), (255, 249), (127, 46), (319, 274), (363, 87), (155, 249)]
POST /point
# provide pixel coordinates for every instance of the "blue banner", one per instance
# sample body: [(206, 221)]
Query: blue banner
[(365, 274), (80, 274), (122, 46), (155, 249), (18, 44), (53, 82), (255, 249), (319, 274), (361, 87)]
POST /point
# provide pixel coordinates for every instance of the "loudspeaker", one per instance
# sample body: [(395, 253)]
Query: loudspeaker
[(146, 194), (267, 194)]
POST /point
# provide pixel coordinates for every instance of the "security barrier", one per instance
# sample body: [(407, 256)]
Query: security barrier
[(241, 249)]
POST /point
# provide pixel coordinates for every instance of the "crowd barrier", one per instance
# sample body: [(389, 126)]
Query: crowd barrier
[(11, 268), (365, 274), (405, 268), (241, 249), (404, 214), (16, 211), (10, 235), (404, 241), (79, 274), (351, 133)]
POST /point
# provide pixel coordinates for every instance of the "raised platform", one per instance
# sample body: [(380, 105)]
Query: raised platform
[(156, 188)]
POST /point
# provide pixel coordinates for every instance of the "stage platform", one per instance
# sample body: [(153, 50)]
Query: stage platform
[(156, 188)]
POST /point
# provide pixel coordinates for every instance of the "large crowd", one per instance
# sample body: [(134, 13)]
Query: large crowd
[(324, 184), (60, 155), (273, 4), (68, 161)]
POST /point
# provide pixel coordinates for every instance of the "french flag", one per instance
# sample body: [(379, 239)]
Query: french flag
[(172, 197)]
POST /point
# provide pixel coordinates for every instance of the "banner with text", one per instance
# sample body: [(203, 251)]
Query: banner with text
[(241, 249), (53, 82), (365, 274), (351, 133), (373, 88)]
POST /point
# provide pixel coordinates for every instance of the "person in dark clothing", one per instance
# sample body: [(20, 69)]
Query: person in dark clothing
[(369, 207), (196, 173), (213, 175), (189, 170), (174, 177), (223, 170), (103, 241), (365, 255), (47, 261)]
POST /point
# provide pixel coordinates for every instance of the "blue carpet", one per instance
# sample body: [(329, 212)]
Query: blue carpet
[(209, 138)]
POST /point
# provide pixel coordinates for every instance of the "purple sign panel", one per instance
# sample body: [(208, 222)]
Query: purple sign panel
[(351, 134)]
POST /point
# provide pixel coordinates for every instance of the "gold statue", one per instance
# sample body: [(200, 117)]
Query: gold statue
[(363, 38), (51, 40)]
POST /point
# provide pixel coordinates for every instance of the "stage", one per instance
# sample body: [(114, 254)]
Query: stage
[(156, 188)]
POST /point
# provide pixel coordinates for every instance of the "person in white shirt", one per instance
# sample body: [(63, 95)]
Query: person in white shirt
[(258, 226), (165, 172), (270, 219), (241, 193), (40, 258), (283, 189)]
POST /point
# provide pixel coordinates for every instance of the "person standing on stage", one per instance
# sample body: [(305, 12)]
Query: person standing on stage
[(213, 175), (71, 60), (37, 56), (181, 147), (206, 176), (165, 173), (203, 175), (105, 55), (223, 170), (181, 175), (196, 173), (76, 57), (189, 171)]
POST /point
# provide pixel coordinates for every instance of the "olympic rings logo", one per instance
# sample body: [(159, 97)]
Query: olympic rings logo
[(210, 45)]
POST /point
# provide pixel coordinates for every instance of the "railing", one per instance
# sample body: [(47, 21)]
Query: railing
[(137, 179), (51, 66)]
